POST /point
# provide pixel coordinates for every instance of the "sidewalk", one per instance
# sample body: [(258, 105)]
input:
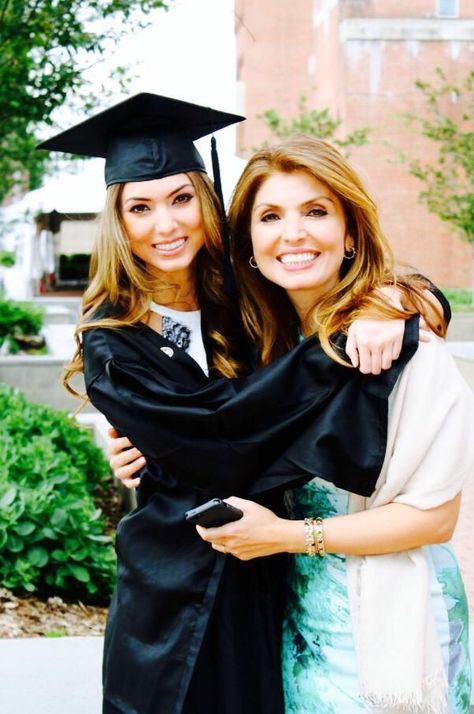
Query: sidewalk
[(51, 675)]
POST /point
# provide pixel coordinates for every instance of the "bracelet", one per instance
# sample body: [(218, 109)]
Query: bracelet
[(318, 537), (309, 537)]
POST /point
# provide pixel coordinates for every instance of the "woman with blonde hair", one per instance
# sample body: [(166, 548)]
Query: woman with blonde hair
[(143, 343), (376, 615)]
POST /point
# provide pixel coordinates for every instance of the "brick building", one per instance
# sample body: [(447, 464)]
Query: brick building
[(360, 58)]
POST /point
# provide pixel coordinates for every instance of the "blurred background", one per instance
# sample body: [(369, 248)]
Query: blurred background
[(391, 81)]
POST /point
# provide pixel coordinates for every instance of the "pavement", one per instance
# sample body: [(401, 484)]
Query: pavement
[(45, 675)]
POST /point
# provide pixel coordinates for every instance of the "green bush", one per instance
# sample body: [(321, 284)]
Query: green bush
[(53, 538), (18, 318), (460, 299), (7, 258)]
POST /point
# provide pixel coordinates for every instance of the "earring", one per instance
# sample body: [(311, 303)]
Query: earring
[(349, 253), (253, 263)]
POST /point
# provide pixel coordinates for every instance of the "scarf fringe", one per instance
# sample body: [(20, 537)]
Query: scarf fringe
[(433, 699)]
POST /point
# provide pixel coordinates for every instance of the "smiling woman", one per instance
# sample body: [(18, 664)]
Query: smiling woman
[(299, 236), (376, 615), (160, 232), (163, 222)]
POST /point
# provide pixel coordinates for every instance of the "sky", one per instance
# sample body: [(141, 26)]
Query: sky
[(187, 51)]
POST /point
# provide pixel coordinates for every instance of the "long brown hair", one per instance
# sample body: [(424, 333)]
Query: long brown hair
[(121, 280), (268, 314)]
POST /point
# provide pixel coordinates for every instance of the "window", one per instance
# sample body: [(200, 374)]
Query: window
[(447, 8)]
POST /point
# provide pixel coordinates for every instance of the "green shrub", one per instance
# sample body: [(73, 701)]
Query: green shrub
[(53, 538), (460, 298), (7, 258), (18, 318)]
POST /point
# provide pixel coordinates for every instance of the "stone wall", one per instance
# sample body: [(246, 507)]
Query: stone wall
[(39, 378)]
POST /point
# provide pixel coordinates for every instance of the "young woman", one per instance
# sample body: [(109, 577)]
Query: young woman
[(377, 620), (189, 630)]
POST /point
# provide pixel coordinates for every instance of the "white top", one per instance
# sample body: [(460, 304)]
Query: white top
[(183, 329)]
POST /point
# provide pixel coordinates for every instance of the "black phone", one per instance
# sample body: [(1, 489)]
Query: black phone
[(213, 514)]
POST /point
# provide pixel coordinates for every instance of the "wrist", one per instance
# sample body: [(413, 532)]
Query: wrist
[(282, 537), (294, 535)]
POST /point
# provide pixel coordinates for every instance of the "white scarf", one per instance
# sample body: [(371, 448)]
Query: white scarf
[(430, 453)]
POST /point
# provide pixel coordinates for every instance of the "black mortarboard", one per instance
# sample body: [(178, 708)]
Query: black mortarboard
[(148, 137), (145, 137)]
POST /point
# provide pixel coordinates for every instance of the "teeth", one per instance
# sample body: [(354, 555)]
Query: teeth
[(293, 258), (165, 247)]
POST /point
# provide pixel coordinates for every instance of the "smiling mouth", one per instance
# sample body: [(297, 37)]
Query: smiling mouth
[(298, 259), (170, 247)]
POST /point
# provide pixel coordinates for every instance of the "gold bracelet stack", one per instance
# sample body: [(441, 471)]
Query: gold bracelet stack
[(319, 537), (314, 537), (309, 539)]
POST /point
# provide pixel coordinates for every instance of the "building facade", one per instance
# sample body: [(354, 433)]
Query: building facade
[(360, 59)]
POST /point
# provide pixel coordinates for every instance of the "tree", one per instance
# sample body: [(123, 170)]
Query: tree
[(313, 122), (45, 45), (449, 179)]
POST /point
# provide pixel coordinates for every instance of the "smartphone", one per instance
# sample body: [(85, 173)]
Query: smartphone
[(213, 514)]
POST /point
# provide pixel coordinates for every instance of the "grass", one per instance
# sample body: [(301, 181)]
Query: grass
[(462, 300), (56, 633)]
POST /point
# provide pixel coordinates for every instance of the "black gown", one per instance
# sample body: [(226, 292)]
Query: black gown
[(189, 629)]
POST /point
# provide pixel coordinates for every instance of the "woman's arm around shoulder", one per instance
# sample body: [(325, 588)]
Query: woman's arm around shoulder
[(430, 453)]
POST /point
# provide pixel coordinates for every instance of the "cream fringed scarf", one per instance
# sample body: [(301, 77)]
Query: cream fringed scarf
[(430, 453)]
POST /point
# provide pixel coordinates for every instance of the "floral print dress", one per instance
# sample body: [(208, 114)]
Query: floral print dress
[(319, 660)]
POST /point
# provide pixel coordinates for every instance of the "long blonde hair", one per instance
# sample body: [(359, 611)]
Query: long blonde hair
[(268, 313), (120, 280)]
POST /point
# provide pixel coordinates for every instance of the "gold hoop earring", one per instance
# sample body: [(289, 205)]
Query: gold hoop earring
[(349, 253), (253, 263)]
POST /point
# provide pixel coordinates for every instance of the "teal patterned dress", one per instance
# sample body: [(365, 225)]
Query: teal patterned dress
[(319, 663)]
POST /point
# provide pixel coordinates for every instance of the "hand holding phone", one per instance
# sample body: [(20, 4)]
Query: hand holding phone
[(213, 514)]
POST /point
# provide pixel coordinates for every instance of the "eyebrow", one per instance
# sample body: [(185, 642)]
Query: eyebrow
[(305, 203), (141, 198)]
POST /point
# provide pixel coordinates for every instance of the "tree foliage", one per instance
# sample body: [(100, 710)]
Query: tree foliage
[(449, 179), (313, 122), (45, 46)]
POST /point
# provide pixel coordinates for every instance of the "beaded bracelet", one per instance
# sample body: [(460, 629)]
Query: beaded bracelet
[(309, 537), (318, 537)]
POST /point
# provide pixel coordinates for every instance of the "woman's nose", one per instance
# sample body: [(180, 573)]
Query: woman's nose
[(164, 221), (293, 229)]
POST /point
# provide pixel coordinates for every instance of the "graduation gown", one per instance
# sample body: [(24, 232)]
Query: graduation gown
[(190, 629)]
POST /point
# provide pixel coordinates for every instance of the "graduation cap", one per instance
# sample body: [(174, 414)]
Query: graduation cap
[(146, 137)]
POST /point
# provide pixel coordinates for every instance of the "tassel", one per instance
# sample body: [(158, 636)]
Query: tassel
[(230, 287)]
